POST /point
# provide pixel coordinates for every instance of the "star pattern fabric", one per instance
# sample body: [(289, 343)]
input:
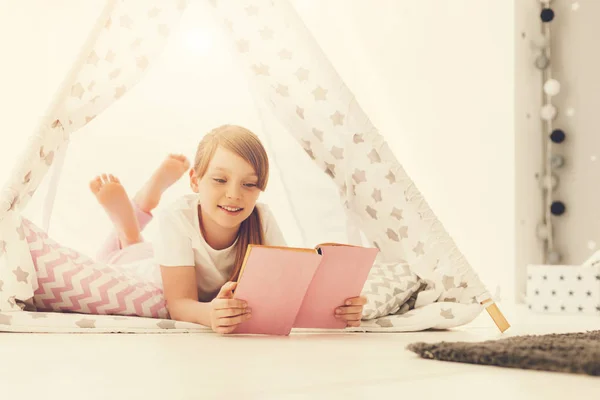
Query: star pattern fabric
[(288, 69), (131, 37)]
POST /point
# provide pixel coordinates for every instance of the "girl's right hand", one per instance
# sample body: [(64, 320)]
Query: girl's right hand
[(226, 312)]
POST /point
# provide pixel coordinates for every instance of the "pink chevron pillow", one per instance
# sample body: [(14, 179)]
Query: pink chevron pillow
[(72, 282)]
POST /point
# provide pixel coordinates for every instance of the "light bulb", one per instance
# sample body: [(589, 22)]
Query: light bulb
[(552, 87), (548, 112)]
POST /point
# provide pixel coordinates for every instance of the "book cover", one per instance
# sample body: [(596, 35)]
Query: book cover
[(290, 287), (341, 275), (273, 282)]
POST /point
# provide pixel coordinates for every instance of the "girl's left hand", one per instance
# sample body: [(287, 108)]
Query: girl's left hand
[(351, 311)]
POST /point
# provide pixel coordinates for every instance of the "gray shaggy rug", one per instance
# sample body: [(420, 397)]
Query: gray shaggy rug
[(575, 353)]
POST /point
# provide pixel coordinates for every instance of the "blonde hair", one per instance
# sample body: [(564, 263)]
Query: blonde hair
[(245, 144)]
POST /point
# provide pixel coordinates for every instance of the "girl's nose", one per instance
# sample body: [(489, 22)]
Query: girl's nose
[(233, 192)]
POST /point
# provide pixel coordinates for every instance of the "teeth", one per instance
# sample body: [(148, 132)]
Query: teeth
[(231, 209)]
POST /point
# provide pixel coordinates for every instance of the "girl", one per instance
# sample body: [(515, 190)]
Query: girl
[(203, 236)]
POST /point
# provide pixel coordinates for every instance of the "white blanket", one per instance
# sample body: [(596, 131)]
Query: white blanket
[(40, 322)]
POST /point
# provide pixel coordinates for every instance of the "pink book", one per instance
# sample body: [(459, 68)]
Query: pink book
[(273, 282), (291, 287), (341, 275)]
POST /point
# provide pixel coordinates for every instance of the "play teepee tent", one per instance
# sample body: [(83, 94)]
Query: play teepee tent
[(420, 280)]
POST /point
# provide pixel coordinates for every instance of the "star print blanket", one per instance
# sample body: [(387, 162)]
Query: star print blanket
[(51, 322)]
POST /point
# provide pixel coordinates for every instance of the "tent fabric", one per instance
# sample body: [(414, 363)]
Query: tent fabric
[(127, 38), (293, 82)]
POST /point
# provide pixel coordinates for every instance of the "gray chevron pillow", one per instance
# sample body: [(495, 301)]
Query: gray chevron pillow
[(388, 287)]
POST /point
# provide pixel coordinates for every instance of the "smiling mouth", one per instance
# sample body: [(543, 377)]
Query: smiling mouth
[(231, 209)]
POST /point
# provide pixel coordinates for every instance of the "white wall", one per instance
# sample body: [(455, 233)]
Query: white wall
[(436, 78)]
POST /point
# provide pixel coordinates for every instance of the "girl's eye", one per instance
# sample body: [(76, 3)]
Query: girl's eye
[(219, 180), (251, 184)]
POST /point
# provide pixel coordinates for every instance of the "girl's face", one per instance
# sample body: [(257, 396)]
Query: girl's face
[(227, 191)]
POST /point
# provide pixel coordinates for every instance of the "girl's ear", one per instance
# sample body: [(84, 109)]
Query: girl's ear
[(194, 181)]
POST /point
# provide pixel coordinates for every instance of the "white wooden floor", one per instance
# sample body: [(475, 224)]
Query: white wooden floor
[(308, 366)]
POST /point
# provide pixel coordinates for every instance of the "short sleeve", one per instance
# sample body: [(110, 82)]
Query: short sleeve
[(173, 245), (272, 232)]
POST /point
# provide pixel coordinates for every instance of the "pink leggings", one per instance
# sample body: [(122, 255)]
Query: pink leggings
[(111, 251)]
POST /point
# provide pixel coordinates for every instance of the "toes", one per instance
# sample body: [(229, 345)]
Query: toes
[(180, 157), (95, 184), (102, 180)]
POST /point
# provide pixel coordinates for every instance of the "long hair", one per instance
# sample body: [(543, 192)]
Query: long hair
[(245, 144)]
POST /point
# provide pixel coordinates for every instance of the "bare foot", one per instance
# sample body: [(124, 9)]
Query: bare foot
[(112, 196), (169, 172)]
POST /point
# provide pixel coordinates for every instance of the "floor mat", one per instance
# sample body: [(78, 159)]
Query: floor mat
[(576, 353)]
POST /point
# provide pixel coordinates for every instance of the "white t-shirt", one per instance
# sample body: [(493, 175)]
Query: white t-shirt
[(180, 243)]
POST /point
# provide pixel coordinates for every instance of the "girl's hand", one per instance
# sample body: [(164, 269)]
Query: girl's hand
[(226, 312), (351, 311)]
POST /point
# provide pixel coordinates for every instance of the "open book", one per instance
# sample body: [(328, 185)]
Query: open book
[(288, 287)]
